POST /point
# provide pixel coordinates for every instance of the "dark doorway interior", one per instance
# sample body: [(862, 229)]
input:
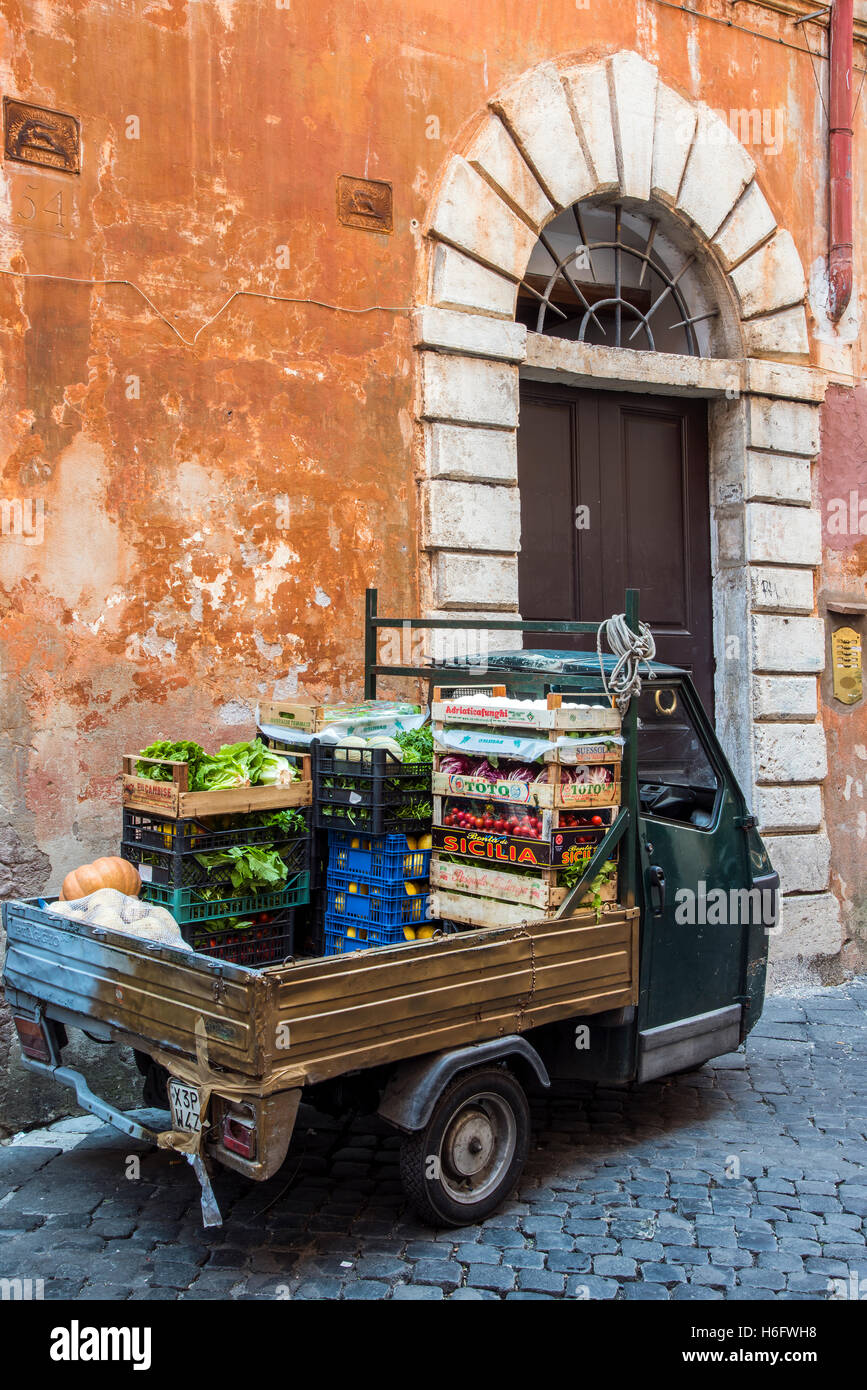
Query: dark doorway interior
[(614, 494)]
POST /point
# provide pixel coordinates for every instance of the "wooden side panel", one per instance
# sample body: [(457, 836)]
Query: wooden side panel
[(361, 1010), (343, 1012), (149, 991)]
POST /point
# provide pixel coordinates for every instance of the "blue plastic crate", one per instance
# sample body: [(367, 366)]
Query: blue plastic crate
[(343, 935), (382, 859), (382, 906)]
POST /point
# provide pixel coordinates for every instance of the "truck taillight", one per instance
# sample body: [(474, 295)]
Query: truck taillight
[(33, 1039), (239, 1136)]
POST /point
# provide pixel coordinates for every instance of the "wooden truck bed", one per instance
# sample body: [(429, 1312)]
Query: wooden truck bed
[(342, 1013)]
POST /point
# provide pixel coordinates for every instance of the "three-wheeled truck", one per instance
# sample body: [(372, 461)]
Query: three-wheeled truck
[(443, 1037)]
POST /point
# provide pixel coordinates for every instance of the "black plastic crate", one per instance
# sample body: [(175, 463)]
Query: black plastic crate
[(170, 869), (260, 944), (369, 790), (200, 834)]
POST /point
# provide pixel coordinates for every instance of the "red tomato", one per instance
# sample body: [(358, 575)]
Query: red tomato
[(595, 820)]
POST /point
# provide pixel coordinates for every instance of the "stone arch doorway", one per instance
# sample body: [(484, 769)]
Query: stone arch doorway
[(569, 131)]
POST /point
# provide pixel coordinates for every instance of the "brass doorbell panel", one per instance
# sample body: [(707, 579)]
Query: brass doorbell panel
[(846, 665)]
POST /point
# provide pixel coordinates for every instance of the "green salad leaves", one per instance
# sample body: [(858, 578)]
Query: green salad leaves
[(253, 868), (247, 764)]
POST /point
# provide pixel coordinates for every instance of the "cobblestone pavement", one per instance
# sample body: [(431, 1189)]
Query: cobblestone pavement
[(744, 1180)]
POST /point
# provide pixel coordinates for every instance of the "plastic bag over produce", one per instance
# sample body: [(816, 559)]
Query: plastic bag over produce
[(500, 745), (386, 723), (497, 745)]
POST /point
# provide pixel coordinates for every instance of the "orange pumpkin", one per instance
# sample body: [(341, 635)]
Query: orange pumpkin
[(112, 872)]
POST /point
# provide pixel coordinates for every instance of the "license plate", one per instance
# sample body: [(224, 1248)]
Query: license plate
[(184, 1101)]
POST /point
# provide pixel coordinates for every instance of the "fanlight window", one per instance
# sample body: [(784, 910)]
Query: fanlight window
[(604, 275)]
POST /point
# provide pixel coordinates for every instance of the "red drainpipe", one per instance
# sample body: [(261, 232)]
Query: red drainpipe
[(840, 159)]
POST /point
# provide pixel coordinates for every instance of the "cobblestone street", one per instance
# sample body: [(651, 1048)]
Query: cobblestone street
[(746, 1179)]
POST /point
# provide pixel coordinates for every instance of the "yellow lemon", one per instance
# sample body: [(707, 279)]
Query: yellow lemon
[(356, 843), (353, 887), (409, 933), (424, 842), (410, 842), (350, 931), (411, 889), (425, 933)]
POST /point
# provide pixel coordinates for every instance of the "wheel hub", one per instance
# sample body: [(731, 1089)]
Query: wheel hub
[(470, 1143), (477, 1147)]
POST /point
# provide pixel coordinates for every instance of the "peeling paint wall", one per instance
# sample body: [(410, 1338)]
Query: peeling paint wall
[(843, 601), (212, 510)]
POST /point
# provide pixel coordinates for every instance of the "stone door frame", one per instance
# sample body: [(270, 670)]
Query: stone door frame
[(566, 131)]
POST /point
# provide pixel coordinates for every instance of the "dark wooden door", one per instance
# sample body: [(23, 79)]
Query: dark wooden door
[(614, 494)]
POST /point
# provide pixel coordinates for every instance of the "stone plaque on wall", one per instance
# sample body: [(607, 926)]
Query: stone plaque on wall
[(35, 135), (364, 203)]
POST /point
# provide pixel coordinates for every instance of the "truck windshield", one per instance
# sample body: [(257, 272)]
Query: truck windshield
[(670, 752)]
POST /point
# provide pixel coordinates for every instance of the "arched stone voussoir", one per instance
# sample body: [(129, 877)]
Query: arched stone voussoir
[(781, 335), (537, 113), (471, 216), (494, 154), (633, 83), (749, 224), (589, 96), (717, 172), (771, 278)]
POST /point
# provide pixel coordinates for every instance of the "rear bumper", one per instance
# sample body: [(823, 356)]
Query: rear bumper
[(92, 1103), (274, 1117)]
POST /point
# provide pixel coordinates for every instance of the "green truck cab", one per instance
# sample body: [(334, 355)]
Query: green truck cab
[(444, 1038)]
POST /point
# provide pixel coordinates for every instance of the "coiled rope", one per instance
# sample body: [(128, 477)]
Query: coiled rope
[(630, 648)]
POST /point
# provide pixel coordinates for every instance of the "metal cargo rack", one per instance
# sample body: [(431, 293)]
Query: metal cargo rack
[(589, 683)]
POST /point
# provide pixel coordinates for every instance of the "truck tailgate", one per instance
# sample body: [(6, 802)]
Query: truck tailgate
[(140, 988)]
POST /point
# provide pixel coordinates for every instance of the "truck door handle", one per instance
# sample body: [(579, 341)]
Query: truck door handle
[(656, 883)]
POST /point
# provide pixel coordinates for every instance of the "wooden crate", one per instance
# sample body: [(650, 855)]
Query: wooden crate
[(175, 801), (555, 719), (537, 891), (554, 849), (490, 912), (307, 717), (546, 794)]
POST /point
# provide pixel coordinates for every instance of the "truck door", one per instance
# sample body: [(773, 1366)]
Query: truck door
[(694, 876)]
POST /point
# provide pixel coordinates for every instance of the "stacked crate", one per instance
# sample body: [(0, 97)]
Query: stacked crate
[(377, 891), (167, 831), (375, 793), (500, 846)]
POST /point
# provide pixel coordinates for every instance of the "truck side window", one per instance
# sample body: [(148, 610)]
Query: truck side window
[(676, 778)]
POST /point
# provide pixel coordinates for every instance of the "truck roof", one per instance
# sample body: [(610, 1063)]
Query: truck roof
[(555, 662)]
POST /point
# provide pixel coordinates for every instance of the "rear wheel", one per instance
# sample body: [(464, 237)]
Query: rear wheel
[(468, 1158)]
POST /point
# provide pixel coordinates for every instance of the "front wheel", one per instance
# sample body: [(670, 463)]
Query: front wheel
[(469, 1156)]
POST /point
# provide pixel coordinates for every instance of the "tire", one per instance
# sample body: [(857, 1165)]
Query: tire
[(478, 1135)]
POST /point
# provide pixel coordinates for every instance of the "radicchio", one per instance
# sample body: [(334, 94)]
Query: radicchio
[(452, 763), (522, 772)]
